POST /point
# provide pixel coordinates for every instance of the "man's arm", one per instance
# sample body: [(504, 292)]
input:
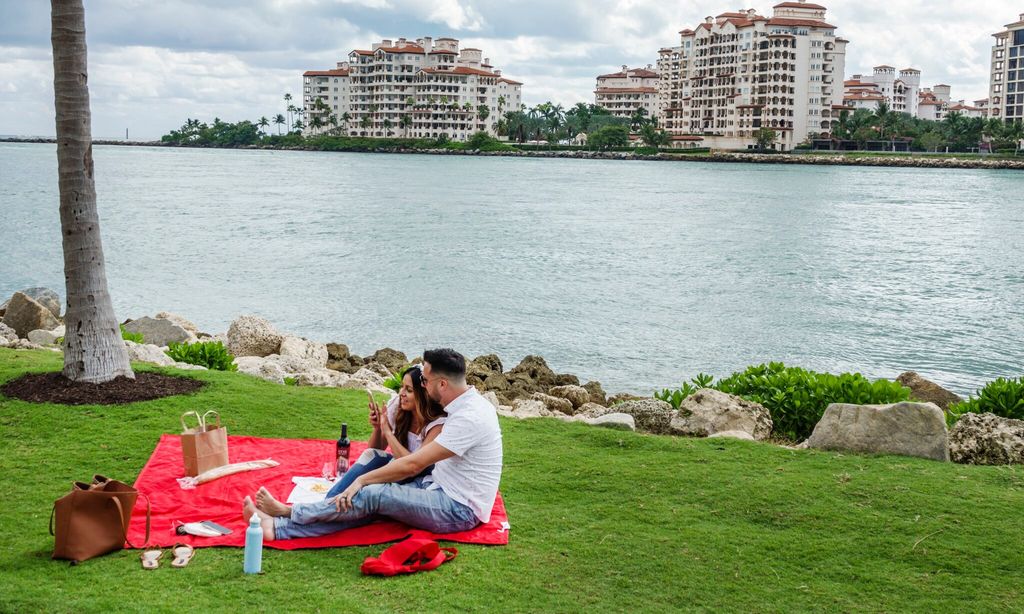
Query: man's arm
[(396, 471)]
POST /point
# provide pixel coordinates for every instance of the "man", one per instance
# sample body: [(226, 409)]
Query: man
[(458, 495)]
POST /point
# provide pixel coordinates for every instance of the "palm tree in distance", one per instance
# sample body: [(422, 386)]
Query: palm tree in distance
[(288, 106), (263, 123), (405, 122), (365, 123), (93, 349), (298, 125), (346, 118), (279, 120), (387, 127)]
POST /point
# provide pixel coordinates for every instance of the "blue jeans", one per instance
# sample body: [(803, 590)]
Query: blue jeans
[(370, 460), (412, 503)]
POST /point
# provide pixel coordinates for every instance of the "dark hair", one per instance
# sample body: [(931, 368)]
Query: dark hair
[(446, 362), (428, 408)]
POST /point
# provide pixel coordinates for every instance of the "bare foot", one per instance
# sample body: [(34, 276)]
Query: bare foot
[(266, 503), (266, 522)]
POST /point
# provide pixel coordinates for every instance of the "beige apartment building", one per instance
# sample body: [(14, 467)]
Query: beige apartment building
[(901, 91), (1006, 86), (623, 92), (740, 71), (423, 88)]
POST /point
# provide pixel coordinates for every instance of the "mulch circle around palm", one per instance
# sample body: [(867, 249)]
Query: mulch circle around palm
[(55, 388)]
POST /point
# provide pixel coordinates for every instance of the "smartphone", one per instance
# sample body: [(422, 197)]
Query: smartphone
[(216, 527)]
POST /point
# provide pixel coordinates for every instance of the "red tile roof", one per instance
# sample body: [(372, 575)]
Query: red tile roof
[(459, 70), (407, 49), (634, 72), (800, 5), (337, 72), (810, 23), (361, 52), (509, 81)]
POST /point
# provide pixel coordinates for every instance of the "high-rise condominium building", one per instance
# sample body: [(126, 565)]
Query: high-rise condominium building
[(623, 92), (739, 72), (903, 93), (1006, 88), (427, 88)]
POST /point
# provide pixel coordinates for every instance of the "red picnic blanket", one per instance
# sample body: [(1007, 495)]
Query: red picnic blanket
[(221, 500)]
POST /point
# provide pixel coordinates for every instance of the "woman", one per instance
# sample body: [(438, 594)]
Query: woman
[(409, 422)]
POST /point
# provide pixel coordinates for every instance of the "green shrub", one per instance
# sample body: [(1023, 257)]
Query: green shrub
[(1002, 397), (796, 398), (395, 381), (210, 354), (133, 337)]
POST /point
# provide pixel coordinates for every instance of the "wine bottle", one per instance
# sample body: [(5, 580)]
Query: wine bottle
[(342, 449)]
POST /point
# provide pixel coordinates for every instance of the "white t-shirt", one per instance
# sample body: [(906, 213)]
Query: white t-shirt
[(413, 441), (472, 432)]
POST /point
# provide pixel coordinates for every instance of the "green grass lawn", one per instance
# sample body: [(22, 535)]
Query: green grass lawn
[(601, 520)]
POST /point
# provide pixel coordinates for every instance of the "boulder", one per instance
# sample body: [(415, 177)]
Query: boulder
[(618, 421), (597, 394), (622, 397), (532, 374), (380, 370), (651, 415), (337, 351), (709, 411), (46, 337), (732, 435), (24, 344), (159, 332), (526, 408), (987, 439), (593, 410), (184, 366), (368, 376), (360, 384), (180, 321), (24, 315), (311, 352), (260, 367), (555, 404), (44, 296), (392, 359), (906, 429), (321, 378), (482, 367), (927, 391), (148, 353), (253, 336), (577, 395), (492, 399), (7, 333)]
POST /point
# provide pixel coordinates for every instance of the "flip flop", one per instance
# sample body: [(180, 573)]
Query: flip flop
[(183, 553), (151, 558)]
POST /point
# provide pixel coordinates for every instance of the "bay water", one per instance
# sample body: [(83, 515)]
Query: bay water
[(636, 274)]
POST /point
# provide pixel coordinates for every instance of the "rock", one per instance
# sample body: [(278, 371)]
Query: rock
[(906, 429), (7, 333), (337, 351), (597, 394), (24, 315), (184, 366), (380, 370), (593, 410), (577, 395), (497, 382), (709, 411), (622, 397), (532, 374), (927, 391), (179, 320), (159, 332), (562, 406), (732, 435), (24, 344), (46, 337), (4, 342), (492, 398), (482, 367), (566, 379), (322, 378), (987, 439), (148, 353), (44, 296), (524, 408), (253, 336), (260, 367), (392, 359), (311, 352), (618, 421), (651, 415), (368, 376)]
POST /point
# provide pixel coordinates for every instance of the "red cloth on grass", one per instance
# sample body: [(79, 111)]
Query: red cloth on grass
[(221, 500)]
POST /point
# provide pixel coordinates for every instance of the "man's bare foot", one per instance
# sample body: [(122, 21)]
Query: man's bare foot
[(266, 522), (266, 503)]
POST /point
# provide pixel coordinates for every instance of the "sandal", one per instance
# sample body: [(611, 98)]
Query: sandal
[(151, 558), (183, 553)]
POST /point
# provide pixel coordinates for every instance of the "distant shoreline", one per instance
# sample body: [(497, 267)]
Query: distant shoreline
[(937, 161)]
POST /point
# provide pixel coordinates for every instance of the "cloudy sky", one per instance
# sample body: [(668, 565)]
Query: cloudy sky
[(154, 63)]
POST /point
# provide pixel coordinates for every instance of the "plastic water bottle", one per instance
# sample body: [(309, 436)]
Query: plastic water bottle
[(254, 546)]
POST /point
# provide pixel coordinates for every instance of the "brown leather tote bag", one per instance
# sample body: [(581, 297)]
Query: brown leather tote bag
[(93, 519)]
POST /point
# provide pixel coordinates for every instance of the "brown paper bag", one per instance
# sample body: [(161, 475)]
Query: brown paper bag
[(205, 446)]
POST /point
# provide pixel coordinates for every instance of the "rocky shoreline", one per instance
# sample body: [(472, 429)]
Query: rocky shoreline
[(934, 161), (531, 389)]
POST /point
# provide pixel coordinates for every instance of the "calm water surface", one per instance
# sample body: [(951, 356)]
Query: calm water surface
[(637, 274)]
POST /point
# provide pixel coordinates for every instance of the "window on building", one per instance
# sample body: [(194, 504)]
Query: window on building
[(1018, 37)]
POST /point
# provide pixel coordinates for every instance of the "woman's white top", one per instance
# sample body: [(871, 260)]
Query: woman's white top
[(414, 441)]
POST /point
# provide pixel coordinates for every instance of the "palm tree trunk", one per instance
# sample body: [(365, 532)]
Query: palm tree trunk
[(93, 349)]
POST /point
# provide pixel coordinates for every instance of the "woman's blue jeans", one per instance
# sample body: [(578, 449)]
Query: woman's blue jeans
[(368, 461)]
